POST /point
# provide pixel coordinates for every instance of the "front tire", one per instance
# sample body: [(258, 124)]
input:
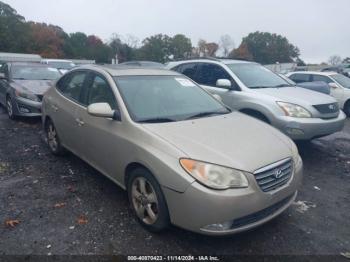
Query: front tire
[(147, 200), (9, 108), (53, 140)]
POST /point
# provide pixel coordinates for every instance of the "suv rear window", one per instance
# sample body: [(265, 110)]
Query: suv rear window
[(188, 70), (300, 78)]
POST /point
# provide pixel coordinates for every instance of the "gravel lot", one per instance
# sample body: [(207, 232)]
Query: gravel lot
[(65, 207)]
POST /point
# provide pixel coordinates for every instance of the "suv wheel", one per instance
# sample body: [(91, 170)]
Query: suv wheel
[(9, 108), (347, 108), (147, 200), (53, 140)]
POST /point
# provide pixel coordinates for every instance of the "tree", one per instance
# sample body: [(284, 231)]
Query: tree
[(180, 47), (207, 49), (346, 60), (335, 60), (75, 46), (241, 53), (226, 45), (300, 62), (267, 48), (122, 50), (97, 50), (14, 31), (47, 40), (155, 48)]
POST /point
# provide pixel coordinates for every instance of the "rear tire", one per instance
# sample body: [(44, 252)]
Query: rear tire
[(347, 108), (147, 200), (53, 140), (9, 108)]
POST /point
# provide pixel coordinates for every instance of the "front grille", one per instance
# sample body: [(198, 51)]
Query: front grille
[(274, 176), (260, 215), (327, 108)]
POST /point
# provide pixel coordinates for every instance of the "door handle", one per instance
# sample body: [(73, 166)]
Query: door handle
[(80, 122)]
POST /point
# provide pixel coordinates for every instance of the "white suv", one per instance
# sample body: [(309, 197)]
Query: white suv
[(340, 85), (255, 90)]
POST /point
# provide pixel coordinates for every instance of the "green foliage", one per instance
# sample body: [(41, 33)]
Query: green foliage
[(267, 48), (180, 47), (121, 50), (155, 48), (17, 35), (14, 32)]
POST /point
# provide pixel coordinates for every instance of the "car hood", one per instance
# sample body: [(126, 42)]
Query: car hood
[(297, 95), (38, 87), (234, 140)]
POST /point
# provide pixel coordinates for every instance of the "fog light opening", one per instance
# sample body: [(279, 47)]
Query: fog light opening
[(24, 109), (295, 131), (218, 227)]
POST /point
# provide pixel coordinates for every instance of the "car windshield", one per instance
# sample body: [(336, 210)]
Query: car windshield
[(342, 80), (155, 99), (34, 73), (256, 76), (61, 65)]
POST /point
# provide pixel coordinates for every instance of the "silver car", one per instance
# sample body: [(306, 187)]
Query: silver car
[(22, 86), (183, 157), (255, 90)]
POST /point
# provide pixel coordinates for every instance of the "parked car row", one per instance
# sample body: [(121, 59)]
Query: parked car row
[(341, 69), (338, 83), (197, 146)]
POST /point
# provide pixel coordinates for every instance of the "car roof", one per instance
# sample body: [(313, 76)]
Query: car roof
[(327, 73), (57, 60), (209, 60), (27, 64), (124, 70)]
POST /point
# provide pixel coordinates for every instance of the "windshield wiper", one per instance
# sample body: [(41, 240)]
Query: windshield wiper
[(204, 114), (258, 87), (282, 85), (157, 120)]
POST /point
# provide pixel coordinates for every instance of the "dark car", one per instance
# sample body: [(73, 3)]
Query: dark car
[(22, 86), (343, 69)]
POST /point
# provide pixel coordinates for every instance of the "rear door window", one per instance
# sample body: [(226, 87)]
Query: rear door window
[(72, 84), (300, 78), (209, 74), (101, 92), (188, 70), (319, 78)]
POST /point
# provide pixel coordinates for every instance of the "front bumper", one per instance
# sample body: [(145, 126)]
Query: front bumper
[(246, 208), (309, 128), (27, 108)]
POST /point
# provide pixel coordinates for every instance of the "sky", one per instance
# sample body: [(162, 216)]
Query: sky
[(320, 28)]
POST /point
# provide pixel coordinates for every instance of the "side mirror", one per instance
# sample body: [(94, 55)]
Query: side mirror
[(224, 83), (217, 97), (101, 110), (2, 76), (333, 85)]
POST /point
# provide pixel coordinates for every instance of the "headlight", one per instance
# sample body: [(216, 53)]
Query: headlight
[(28, 96), (294, 110), (214, 176)]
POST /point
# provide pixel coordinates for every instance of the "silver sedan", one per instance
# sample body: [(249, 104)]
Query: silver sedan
[(183, 157)]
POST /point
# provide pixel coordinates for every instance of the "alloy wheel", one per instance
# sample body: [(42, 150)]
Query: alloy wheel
[(52, 138), (144, 200), (9, 107)]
